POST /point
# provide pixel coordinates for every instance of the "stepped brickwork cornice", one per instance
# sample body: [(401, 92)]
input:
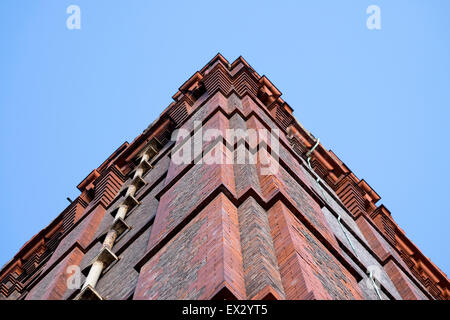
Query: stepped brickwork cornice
[(239, 83)]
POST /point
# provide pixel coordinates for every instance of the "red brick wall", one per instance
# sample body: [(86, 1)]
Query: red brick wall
[(214, 231)]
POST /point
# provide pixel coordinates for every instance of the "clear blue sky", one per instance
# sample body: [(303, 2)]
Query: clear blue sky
[(378, 99)]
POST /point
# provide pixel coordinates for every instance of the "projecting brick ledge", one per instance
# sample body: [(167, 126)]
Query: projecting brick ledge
[(198, 231)]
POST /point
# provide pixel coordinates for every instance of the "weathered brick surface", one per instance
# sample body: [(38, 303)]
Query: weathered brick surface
[(363, 256), (377, 243), (195, 145), (104, 225), (246, 175), (249, 106), (366, 285), (200, 260), (158, 170), (54, 285), (209, 230), (401, 277), (284, 183), (308, 269), (205, 110), (237, 122), (327, 198), (259, 258), (183, 197), (406, 288), (82, 234), (119, 281), (90, 255)]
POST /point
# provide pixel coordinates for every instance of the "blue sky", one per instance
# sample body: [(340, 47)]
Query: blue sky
[(378, 98)]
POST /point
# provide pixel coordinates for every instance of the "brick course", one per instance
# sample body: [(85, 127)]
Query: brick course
[(227, 231)]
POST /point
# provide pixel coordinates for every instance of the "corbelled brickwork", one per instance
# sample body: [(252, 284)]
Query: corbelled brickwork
[(148, 227)]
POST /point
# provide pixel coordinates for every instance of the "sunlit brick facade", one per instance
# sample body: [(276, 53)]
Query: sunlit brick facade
[(146, 227)]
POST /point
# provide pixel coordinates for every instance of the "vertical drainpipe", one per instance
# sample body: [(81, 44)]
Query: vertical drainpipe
[(98, 265), (375, 285), (94, 274), (308, 160), (122, 212)]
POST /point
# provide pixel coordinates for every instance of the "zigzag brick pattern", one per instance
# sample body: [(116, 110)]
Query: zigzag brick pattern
[(202, 230)]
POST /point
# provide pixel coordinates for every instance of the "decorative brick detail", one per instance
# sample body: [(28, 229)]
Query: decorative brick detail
[(54, 284), (227, 231), (218, 78), (218, 121), (245, 83), (107, 186), (179, 112), (10, 283), (420, 266), (177, 202), (284, 183), (351, 195), (73, 213), (260, 263), (360, 199), (82, 235), (202, 259)]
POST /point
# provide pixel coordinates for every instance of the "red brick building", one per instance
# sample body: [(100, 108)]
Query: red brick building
[(148, 227)]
